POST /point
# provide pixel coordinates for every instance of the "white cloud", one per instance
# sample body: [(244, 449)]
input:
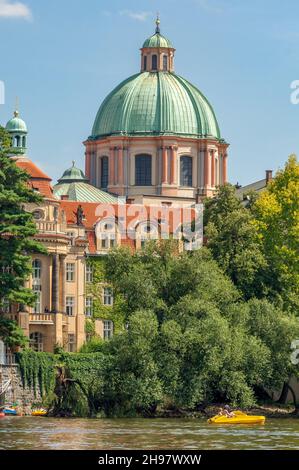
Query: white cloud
[(9, 9), (136, 15)]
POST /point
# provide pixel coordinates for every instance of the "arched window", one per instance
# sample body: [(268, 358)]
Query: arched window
[(186, 171), (165, 63), (154, 62), (36, 341), (144, 63), (143, 170), (17, 141), (104, 172), (24, 141)]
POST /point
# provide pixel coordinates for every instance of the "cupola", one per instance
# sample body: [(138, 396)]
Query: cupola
[(157, 53), (17, 129)]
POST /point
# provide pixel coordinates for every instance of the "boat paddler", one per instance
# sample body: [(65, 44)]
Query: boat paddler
[(226, 411)]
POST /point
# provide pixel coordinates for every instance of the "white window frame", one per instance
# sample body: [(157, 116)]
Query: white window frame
[(37, 341), (108, 328), (36, 270), (37, 308), (88, 306), (70, 272), (72, 236), (88, 273), (108, 297), (70, 305)]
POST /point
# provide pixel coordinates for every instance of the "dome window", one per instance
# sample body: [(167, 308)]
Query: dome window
[(143, 170), (154, 62), (165, 63), (186, 171), (104, 172)]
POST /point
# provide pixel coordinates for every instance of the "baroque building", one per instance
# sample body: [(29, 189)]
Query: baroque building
[(155, 142), (156, 134)]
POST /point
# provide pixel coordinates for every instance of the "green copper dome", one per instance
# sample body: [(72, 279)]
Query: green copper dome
[(156, 103), (16, 124), (74, 184), (83, 192), (157, 40), (73, 174)]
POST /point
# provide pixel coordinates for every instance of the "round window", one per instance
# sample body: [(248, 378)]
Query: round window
[(37, 215)]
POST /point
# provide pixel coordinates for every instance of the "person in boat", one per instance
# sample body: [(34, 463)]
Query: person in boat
[(226, 411)]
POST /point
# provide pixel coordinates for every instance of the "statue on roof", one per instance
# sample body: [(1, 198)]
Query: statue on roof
[(80, 215)]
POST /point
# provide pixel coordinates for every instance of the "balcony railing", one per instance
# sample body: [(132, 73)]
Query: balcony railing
[(9, 359), (11, 316), (46, 226), (44, 318)]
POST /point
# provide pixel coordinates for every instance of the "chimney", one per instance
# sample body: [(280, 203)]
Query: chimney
[(269, 176)]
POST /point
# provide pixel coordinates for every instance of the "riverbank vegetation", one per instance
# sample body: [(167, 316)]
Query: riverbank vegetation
[(213, 325)]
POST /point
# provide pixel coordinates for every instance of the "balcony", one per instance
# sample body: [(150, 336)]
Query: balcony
[(12, 316), (8, 359), (41, 318), (47, 227)]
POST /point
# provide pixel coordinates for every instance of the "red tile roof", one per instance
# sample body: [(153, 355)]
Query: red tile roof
[(89, 208), (42, 187), (94, 212), (33, 170), (39, 181)]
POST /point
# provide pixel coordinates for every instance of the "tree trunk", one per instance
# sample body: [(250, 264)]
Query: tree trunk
[(284, 394), (294, 398)]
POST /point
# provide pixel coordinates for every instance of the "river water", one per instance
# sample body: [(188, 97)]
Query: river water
[(103, 434)]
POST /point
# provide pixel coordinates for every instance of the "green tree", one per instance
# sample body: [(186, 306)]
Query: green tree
[(234, 242), (132, 383), (17, 228), (276, 214)]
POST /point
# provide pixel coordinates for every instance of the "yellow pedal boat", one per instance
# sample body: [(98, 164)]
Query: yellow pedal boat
[(239, 418), (39, 413)]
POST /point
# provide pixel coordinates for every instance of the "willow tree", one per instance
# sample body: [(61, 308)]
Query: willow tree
[(17, 229)]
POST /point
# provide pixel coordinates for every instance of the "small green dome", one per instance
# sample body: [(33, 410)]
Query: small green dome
[(73, 174), (156, 103), (16, 124), (157, 40)]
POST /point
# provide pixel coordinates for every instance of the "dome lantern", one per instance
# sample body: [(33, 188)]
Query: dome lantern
[(157, 52), (17, 129)]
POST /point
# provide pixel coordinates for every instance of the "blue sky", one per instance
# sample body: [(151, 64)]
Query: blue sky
[(62, 57)]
